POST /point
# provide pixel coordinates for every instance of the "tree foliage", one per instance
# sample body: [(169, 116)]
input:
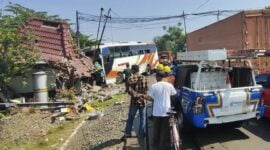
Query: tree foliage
[(173, 39), (23, 13), (17, 51), (84, 40)]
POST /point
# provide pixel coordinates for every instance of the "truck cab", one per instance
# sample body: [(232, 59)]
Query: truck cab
[(212, 93)]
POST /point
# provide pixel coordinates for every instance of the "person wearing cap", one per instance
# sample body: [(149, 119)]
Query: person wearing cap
[(161, 93)]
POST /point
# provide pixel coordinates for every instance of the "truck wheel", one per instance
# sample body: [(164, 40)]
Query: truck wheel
[(119, 78)]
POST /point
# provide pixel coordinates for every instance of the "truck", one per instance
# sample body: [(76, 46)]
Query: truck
[(165, 57), (211, 91), (246, 31)]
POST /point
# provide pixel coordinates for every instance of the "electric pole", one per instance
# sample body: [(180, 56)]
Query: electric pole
[(77, 29), (106, 19), (185, 28), (218, 14), (101, 13)]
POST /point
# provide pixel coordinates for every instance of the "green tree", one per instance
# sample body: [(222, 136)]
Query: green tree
[(173, 39), (17, 51), (84, 40)]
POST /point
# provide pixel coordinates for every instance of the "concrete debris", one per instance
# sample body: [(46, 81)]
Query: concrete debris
[(95, 115), (27, 110), (62, 118), (119, 103)]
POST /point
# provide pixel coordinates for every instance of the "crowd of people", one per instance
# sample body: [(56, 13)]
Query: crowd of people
[(161, 94)]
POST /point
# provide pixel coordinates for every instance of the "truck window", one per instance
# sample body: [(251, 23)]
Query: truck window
[(241, 77), (183, 75), (210, 80)]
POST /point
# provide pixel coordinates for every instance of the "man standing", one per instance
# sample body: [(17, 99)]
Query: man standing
[(161, 92), (137, 90), (127, 72)]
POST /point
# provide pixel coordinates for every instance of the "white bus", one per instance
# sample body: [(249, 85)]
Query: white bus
[(114, 57)]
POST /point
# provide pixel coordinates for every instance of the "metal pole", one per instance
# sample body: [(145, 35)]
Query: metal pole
[(184, 17), (185, 28), (77, 29), (218, 14), (101, 12), (107, 16)]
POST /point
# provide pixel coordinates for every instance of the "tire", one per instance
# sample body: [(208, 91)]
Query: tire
[(119, 78)]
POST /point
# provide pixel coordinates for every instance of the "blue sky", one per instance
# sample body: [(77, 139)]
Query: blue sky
[(138, 8)]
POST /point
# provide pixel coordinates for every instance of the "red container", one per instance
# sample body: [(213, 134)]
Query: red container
[(243, 31)]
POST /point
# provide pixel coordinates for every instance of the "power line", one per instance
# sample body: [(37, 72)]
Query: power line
[(200, 6), (122, 20)]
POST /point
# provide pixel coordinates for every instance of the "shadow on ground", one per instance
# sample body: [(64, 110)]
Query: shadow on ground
[(217, 134), (106, 144), (259, 128)]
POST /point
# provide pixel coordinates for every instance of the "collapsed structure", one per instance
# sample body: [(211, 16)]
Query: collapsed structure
[(55, 43), (63, 63), (243, 34)]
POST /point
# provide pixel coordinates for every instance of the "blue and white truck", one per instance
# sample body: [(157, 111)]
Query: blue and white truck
[(214, 91)]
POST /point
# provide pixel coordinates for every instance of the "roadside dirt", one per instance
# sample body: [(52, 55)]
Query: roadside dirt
[(22, 127), (103, 133)]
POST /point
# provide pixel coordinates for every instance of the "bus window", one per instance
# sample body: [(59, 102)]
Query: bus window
[(141, 52), (147, 51), (125, 51), (117, 52)]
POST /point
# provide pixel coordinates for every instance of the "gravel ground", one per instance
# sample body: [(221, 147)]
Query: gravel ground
[(22, 127), (103, 133)]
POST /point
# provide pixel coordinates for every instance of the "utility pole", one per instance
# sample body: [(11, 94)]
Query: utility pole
[(101, 13), (106, 19), (77, 29), (185, 28), (218, 14)]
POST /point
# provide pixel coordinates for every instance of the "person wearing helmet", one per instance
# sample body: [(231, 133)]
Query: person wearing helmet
[(167, 69), (162, 93), (159, 67), (169, 76)]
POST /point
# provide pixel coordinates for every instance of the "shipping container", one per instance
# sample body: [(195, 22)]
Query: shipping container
[(246, 30)]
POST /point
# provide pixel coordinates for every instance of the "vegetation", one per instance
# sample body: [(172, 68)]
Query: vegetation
[(109, 102), (173, 39), (17, 51), (84, 40), (1, 116), (68, 94), (53, 139)]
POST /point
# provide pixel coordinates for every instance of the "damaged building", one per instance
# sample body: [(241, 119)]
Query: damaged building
[(59, 58)]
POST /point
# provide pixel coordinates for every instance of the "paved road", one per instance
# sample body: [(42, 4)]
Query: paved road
[(254, 135)]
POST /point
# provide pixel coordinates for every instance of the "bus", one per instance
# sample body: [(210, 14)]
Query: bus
[(113, 58)]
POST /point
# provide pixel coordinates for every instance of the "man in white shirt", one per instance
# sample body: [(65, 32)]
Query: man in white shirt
[(161, 92)]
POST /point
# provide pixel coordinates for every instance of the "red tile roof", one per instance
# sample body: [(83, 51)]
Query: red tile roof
[(55, 43)]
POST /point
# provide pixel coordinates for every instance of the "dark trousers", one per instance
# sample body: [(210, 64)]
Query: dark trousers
[(126, 84), (131, 116), (161, 133)]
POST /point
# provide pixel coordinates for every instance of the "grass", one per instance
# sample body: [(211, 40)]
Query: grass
[(109, 102), (1, 116), (52, 139)]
